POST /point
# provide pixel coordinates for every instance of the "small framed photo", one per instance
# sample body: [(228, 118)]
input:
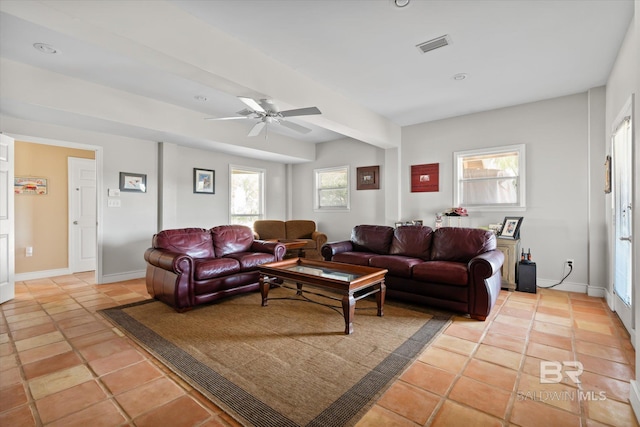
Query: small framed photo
[(204, 181), (368, 178), (511, 227), (134, 182)]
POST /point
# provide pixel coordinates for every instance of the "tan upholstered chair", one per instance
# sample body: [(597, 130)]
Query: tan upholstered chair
[(293, 229)]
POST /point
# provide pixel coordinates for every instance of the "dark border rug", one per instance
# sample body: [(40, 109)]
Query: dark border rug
[(287, 364)]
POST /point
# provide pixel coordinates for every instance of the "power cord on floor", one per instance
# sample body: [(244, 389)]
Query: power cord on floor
[(560, 282)]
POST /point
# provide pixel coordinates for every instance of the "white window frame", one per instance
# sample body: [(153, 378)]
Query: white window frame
[(316, 190), (263, 188), (458, 158)]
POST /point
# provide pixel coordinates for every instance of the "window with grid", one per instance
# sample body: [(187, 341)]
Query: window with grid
[(490, 178), (332, 189)]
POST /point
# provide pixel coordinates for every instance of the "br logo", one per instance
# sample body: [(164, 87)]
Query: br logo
[(551, 372)]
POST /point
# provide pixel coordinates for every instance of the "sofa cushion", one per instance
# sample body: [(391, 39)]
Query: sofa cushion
[(195, 242), (397, 265), (299, 228), (446, 272), (209, 268), (358, 258), (270, 229), (229, 239), (412, 241), (250, 261), (461, 244), (372, 238)]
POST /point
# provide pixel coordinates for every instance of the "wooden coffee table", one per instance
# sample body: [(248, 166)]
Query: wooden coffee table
[(353, 282)]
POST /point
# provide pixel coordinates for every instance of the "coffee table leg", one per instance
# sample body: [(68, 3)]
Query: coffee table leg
[(349, 310), (299, 286), (380, 298), (264, 289)]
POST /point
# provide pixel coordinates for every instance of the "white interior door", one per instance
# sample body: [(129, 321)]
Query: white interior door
[(622, 154), (7, 225), (82, 215)]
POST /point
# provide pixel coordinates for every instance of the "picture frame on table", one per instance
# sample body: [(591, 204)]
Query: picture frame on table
[(510, 228), (368, 178), (133, 182), (204, 181)]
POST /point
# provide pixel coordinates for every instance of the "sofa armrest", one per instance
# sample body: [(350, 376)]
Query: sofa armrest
[(330, 249), (170, 261), (270, 247), (320, 238), (485, 282)]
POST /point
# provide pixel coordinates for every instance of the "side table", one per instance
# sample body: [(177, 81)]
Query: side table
[(511, 250)]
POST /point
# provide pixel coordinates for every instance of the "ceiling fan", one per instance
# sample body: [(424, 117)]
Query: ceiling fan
[(267, 113)]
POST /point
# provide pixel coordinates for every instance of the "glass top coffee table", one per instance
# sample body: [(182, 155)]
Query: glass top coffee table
[(352, 282)]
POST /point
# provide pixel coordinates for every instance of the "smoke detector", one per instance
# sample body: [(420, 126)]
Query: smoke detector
[(433, 44)]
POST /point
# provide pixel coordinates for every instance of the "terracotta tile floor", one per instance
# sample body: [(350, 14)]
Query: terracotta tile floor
[(61, 364)]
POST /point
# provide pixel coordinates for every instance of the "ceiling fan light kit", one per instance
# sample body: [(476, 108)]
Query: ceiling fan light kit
[(267, 113)]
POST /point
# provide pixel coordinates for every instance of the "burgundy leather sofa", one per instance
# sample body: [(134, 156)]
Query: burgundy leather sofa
[(453, 268), (191, 266)]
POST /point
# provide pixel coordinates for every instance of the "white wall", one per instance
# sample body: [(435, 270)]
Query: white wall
[(367, 206), (208, 210), (555, 132), (126, 231)]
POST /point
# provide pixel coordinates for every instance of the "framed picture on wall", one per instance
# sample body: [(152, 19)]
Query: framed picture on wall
[(368, 178), (133, 182), (425, 178), (511, 227), (204, 181)]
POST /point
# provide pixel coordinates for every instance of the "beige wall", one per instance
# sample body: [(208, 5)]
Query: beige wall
[(42, 221)]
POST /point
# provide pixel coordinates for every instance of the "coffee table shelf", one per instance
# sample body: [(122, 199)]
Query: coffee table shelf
[(352, 282)]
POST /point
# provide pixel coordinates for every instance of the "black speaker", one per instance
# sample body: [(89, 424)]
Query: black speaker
[(526, 277)]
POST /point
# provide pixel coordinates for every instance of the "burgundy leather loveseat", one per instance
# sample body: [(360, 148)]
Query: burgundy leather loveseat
[(191, 266), (452, 268)]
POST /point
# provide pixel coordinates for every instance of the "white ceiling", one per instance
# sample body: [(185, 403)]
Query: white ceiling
[(356, 60)]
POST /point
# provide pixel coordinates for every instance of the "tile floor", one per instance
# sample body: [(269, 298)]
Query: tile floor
[(61, 364)]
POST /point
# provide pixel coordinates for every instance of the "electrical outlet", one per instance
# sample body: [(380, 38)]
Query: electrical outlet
[(28, 251), (570, 261)]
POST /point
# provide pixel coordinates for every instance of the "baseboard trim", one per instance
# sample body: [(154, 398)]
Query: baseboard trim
[(121, 277), (580, 288), (34, 275), (596, 291), (634, 398)]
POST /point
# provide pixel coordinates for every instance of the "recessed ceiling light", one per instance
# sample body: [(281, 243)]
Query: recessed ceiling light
[(460, 76), (401, 3), (200, 98), (45, 48)]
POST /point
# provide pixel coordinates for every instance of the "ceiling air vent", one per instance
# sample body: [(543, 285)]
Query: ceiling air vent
[(434, 44)]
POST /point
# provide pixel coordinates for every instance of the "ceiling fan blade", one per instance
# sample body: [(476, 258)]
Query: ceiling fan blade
[(251, 103), (295, 126), (269, 106), (245, 112), (227, 118), (257, 129), (300, 112)]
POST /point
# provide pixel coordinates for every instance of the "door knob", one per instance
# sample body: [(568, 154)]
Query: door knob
[(75, 222)]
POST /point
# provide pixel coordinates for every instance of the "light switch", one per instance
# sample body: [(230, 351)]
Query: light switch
[(114, 192), (113, 203)]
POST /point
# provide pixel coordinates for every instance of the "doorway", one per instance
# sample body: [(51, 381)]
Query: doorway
[(63, 266), (622, 180)]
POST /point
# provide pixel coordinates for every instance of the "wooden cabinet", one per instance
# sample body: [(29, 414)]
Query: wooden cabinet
[(511, 250)]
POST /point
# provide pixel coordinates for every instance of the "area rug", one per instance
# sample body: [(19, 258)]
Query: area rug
[(286, 364)]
